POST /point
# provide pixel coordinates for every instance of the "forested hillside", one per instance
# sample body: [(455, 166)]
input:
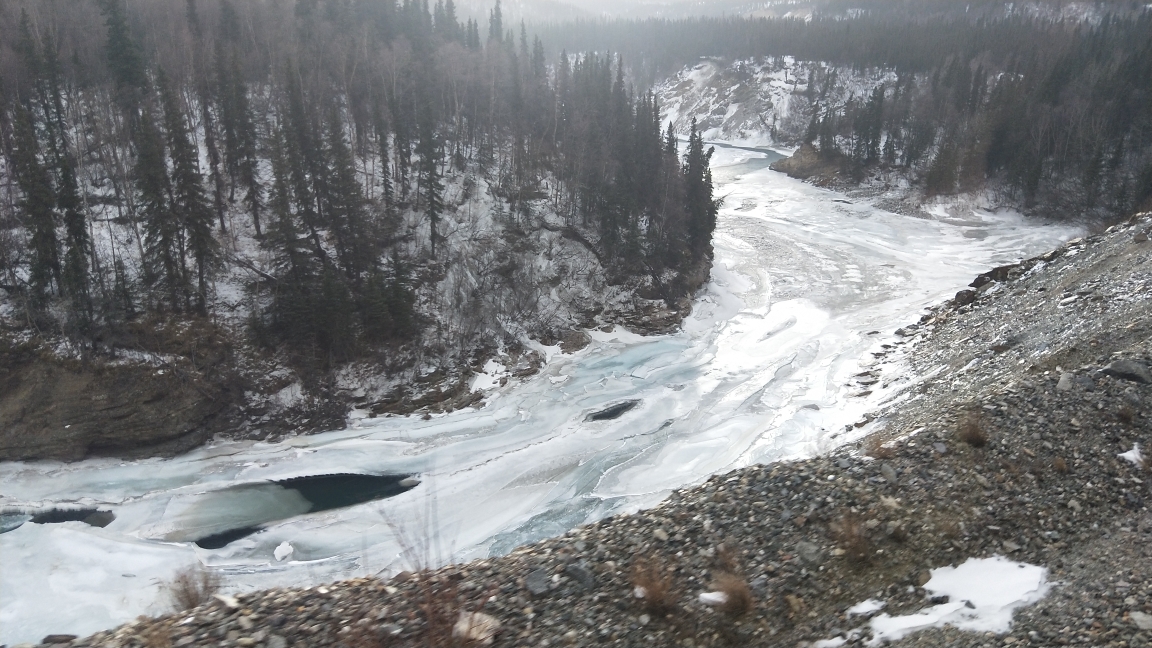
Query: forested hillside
[(1051, 109), (329, 181)]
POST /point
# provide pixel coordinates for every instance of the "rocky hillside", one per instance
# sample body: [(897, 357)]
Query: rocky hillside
[(1013, 432), (761, 101)]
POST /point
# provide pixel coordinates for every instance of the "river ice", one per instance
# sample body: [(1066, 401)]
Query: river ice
[(760, 372)]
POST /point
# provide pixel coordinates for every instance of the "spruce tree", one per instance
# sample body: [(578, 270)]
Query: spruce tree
[(344, 204), (431, 187), (496, 24), (125, 59), (702, 208), (189, 202), (74, 277), (246, 141), (163, 244), (37, 206), (382, 134)]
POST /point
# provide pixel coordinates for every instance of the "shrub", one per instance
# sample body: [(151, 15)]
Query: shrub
[(1059, 465), (652, 585), (971, 431), (191, 588), (738, 596), (851, 535)]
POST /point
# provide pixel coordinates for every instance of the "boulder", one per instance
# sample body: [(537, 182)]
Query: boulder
[(1129, 370)]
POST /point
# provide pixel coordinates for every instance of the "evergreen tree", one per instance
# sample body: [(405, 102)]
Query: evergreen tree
[(431, 187), (246, 140), (125, 60), (38, 208), (344, 205), (382, 134), (74, 277), (163, 240), (496, 24), (702, 208), (189, 203)]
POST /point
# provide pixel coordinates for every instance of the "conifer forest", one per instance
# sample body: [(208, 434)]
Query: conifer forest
[(153, 146)]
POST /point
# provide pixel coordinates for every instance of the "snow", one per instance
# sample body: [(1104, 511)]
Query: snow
[(982, 595), (776, 332), (713, 598), (283, 551), (1133, 455), (865, 608), (489, 379)]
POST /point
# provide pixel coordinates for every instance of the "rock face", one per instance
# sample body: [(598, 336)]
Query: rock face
[(60, 409), (806, 163)]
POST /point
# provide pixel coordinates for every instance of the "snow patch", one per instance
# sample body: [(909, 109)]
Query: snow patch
[(982, 595), (490, 378), (1133, 455)]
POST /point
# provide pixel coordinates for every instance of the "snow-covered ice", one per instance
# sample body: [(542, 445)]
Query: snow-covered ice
[(761, 371)]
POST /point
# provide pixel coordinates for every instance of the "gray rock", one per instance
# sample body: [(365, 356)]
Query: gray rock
[(965, 297), (538, 581), (940, 448), (1129, 370), (1065, 383), (581, 574), (808, 552), (276, 641), (59, 639), (889, 472), (1143, 620), (660, 534)]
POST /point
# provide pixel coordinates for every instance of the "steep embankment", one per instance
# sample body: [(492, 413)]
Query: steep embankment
[(160, 386), (1013, 436), (761, 101)]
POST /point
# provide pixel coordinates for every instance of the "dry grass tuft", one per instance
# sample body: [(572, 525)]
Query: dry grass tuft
[(652, 585), (851, 535), (951, 527), (157, 636), (971, 430), (1060, 466), (874, 447), (899, 533), (191, 587), (726, 560), (738, 596), (1126, 415)]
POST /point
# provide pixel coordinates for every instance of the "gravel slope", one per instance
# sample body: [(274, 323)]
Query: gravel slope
[(1048, 360)]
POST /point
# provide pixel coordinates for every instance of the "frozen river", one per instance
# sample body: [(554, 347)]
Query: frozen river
[(762, 371)]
